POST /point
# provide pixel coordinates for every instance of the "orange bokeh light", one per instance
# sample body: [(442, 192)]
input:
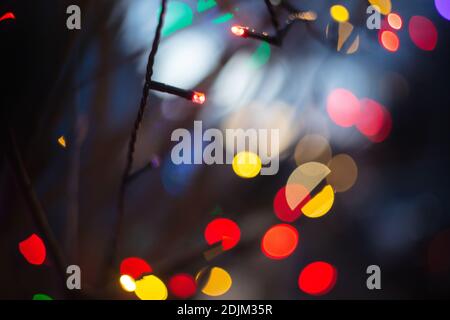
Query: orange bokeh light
[(279, 241), (389, 40), (395, 21)]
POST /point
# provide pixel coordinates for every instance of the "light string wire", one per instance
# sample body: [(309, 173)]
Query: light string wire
[(134, 132)]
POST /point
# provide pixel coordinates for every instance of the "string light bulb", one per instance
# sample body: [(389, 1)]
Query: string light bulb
[(239, 31), (198, 97), (194, 96)]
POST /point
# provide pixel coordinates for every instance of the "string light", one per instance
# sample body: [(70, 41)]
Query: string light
[(239, 31), (198, 97), (194, 96), (246, 32), (277, 39)]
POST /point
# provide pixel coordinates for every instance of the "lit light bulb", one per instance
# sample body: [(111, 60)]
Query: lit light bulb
[(198, 97), (128, 284), (238, 31)]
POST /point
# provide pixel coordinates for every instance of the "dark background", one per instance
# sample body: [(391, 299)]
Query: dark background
[(396, 216)]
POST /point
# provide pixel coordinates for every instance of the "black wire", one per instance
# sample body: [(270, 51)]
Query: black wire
[(134, 132), (273, 16)]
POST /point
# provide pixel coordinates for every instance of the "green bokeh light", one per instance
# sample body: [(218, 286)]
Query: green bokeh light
[(41, 296), (179, 15), (223, 18), (261, 56), (203, 5)]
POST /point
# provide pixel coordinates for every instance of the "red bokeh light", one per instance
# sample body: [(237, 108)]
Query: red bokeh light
[(343, 107), (279, 241), (423, 33), (371, 118), (317, 278), (198, 98), (33, 249), (182, 285), (8, 15), (134, 267), (282, 209), (223, 230), (389, 40), (385, 129)]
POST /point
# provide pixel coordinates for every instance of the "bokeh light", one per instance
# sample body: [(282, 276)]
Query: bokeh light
[(151, 288), (343, 107), (389, 40), (383, 6), (128, 284), (178, 16), (182, 285), (247, 164), (371, 118), (395, 21), (280, 241), (312, 147), (282, 209), (261, 56), (223, 230), (33, 249), (317, 278), (385, 130), (8, 15), (42, 296), (443, 7), (134, 267), (62, 141), (344, 172), (216, 280), (204, 5), (303, 180), (339, 13), (423, 33), (320, 204)]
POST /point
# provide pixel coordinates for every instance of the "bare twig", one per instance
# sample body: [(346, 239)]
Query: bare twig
[(37, 211)]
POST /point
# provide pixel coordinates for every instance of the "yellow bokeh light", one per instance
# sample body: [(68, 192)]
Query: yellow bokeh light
[(320, 204), (303, 180), (339, 13), (151, 288), (383, 6), (218, 283), (62, 141), (128, 284), (247, 164)]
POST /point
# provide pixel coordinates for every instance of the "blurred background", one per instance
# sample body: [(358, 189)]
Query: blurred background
[(69, 99)]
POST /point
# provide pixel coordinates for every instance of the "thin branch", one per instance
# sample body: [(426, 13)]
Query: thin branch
[(37, 211)]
